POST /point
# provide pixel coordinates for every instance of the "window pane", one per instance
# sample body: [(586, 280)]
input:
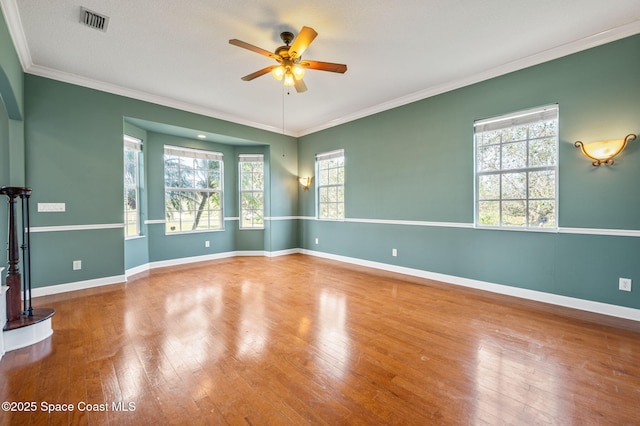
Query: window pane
[(489, 158), (332, 211), (185, 178), (542, 152), (514, 155), (489, 138), (543, 129), (489, 187), (324, 177), (258, 181), (215, 201), (542, 184), (333, 176), (246, 181), (514, 134), (130, 173), (514, 186), (489, 213), (132, 198), (324, 195), (514, 213), (542, 213)]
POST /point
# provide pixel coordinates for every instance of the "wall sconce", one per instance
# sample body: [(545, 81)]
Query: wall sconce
[(602, 152), (305, 182)]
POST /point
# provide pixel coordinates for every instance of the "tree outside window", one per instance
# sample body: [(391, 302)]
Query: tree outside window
[(193, 190)]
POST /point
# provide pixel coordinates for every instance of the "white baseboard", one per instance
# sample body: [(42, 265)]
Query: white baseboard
[(77, 285), (282, 252), (204, 258), (538, 296), (136, 270), (192, 259)]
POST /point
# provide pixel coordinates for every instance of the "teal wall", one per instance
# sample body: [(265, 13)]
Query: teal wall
[(74, 156), (11, 123), (415, 163), (412, 163)]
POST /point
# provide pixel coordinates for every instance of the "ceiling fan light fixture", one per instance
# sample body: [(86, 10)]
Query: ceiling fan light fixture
[(278, 72), (298, 72), (288, 78)]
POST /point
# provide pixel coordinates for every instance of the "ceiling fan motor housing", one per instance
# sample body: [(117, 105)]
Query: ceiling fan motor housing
[(287, 37)]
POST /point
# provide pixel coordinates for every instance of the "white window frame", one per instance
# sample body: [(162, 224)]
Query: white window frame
[(134, 145), (257, 215), (520, 119), (187, 154), (325, 183)]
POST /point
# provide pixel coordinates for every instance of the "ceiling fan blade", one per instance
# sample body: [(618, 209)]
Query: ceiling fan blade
[(324, 66), (256, 74), (302, 41), (253, 48), (300, 86)]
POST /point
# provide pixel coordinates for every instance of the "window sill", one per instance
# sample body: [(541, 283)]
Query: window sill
[(203, 231), (554, 230)]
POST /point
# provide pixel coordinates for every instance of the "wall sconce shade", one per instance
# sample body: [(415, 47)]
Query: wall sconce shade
[(305, 182), (602, 152)]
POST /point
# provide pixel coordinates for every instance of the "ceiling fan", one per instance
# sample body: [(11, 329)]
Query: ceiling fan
[(290, 66)]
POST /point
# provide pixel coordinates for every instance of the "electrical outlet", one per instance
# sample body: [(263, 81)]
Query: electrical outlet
[(77, 265), (206, 243), (624, 284), (317, 240), (394, 252)]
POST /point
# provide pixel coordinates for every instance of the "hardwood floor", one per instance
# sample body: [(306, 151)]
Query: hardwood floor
[(297, 340)]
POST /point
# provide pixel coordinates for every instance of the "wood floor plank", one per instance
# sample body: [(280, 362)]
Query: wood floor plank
[(302, 340)]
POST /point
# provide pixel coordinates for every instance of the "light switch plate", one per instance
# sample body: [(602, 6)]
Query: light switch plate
[(51, 207)]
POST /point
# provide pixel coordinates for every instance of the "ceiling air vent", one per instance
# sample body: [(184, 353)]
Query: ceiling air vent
[(94, 20)]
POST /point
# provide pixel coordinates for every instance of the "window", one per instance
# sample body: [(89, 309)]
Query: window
[(251, 173), (330, 172), (132, 149), (193, 189), (517, 169)]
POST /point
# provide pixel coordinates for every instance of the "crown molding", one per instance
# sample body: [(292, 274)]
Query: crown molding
[(79, 80), (566, 49)]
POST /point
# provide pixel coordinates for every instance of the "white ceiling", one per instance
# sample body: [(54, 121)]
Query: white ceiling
[(176, 53)]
